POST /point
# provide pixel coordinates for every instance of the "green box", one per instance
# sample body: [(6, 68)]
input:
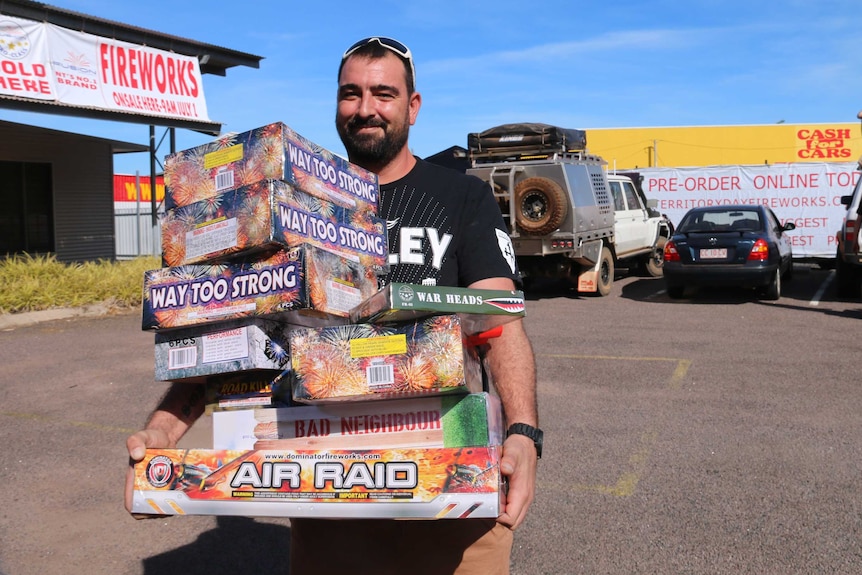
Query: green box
[(479, 309)]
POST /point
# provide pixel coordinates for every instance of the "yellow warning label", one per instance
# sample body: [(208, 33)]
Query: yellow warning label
[(222, 157), (377, 346)]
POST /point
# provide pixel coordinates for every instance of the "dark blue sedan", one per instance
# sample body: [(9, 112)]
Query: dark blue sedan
[(736, 246)]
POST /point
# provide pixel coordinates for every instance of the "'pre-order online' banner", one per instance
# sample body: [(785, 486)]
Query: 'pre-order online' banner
[(46, 62), (807, 194)]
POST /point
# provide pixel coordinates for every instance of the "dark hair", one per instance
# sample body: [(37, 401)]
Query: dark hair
[(375, 51)]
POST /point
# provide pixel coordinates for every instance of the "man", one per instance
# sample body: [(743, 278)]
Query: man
[(445, 229)]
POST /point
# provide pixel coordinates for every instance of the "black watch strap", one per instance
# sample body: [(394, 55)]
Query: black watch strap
[(533, 433)]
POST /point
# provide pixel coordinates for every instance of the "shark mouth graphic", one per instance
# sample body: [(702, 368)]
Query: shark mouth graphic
[(508, 305)]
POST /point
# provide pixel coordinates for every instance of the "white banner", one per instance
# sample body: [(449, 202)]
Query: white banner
[(24, 68), (47, 62), (807, 194)]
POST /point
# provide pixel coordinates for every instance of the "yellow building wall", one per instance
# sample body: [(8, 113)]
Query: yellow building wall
[(630, 148)]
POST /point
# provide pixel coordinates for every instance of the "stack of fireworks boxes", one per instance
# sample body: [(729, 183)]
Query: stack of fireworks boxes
[(329, 396)]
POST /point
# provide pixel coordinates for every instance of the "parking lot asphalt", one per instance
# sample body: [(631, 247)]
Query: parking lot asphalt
[(715, 434)]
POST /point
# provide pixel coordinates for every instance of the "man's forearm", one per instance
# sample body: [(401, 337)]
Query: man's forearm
[(180, 407), (513, 370)]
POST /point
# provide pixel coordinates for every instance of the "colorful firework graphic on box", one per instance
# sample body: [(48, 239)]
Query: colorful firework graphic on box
[(266, 215), (366, 361), (271, 152)]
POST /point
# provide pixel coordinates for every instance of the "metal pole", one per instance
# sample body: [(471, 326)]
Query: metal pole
[(155, 216), (138, 210), (153, 172)]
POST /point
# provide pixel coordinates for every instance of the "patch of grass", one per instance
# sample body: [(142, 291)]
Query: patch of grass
[(33, 283)]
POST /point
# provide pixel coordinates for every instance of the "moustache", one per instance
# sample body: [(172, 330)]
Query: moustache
[(356, 123)]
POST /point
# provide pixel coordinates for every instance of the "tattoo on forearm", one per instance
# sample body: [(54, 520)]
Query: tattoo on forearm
[(194, 399)]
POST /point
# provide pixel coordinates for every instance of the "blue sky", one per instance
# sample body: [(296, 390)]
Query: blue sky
[(484, 63)]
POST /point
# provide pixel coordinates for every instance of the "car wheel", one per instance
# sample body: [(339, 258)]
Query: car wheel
[(675, 292), (654, 263), (605, 280), (541, 205), (773, 289)]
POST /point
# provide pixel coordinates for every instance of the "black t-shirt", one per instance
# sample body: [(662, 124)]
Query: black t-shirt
[(445, 228)]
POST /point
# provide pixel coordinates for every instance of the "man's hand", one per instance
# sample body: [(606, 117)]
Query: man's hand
[(178, 410), (137, 445), (518, 465)]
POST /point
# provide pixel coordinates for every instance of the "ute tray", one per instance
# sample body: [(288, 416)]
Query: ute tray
[(524, 141)]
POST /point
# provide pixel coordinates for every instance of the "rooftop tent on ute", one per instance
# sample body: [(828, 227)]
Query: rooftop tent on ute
[(509, 138)]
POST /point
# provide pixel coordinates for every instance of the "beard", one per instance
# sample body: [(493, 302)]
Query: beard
[(372, 150)]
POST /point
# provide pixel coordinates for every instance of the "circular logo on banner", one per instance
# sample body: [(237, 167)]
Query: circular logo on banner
[(405, 293), (160, 470), (14, 42)]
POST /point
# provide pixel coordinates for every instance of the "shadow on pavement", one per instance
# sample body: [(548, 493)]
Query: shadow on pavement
[(235, 545)]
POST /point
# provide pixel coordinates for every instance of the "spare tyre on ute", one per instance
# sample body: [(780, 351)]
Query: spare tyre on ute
[(541, 205)]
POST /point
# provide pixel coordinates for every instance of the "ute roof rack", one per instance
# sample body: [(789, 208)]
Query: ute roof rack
[(524, 142), (539, 156)]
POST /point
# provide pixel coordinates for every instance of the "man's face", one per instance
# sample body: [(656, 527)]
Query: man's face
[(374, 112)]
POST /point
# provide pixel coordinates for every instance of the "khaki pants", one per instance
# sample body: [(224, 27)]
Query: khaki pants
[(389, 547)]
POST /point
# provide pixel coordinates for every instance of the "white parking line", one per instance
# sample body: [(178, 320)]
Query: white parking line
[(815, 301)]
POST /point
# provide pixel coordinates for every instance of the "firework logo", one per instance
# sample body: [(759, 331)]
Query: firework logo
[(160, 471), (77, 63), (406, 294), (14, 42)]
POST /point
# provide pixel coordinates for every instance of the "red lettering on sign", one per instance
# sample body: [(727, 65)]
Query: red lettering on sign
[(143, 70)]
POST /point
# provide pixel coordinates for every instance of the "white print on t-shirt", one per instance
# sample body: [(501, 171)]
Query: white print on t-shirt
[(505, 243), (410, 247)]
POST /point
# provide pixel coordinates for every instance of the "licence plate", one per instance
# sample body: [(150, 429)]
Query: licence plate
[(713, 253)]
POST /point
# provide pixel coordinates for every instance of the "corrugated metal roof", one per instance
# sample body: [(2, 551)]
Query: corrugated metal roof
[(117, 146)]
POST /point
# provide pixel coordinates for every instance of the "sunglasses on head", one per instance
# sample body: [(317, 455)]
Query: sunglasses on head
[(388, 43)]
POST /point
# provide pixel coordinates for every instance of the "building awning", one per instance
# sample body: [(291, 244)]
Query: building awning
[(48, 107), (117, 146)]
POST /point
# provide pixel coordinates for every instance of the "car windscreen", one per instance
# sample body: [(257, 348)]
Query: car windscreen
[(721, 221)]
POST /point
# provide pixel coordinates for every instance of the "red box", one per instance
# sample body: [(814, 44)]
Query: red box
[(444, 483)]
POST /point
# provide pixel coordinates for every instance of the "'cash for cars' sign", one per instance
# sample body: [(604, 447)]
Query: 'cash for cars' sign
[(46, 62)]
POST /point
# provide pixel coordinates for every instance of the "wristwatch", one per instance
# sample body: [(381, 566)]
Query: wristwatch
[(533, 433)]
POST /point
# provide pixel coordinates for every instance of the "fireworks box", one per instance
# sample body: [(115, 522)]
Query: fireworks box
[(267, 215), (303, 286), (273, 152), (475, 419), (433, 483), (228, 347), (367, 361), (245, 390), (479, 309)]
